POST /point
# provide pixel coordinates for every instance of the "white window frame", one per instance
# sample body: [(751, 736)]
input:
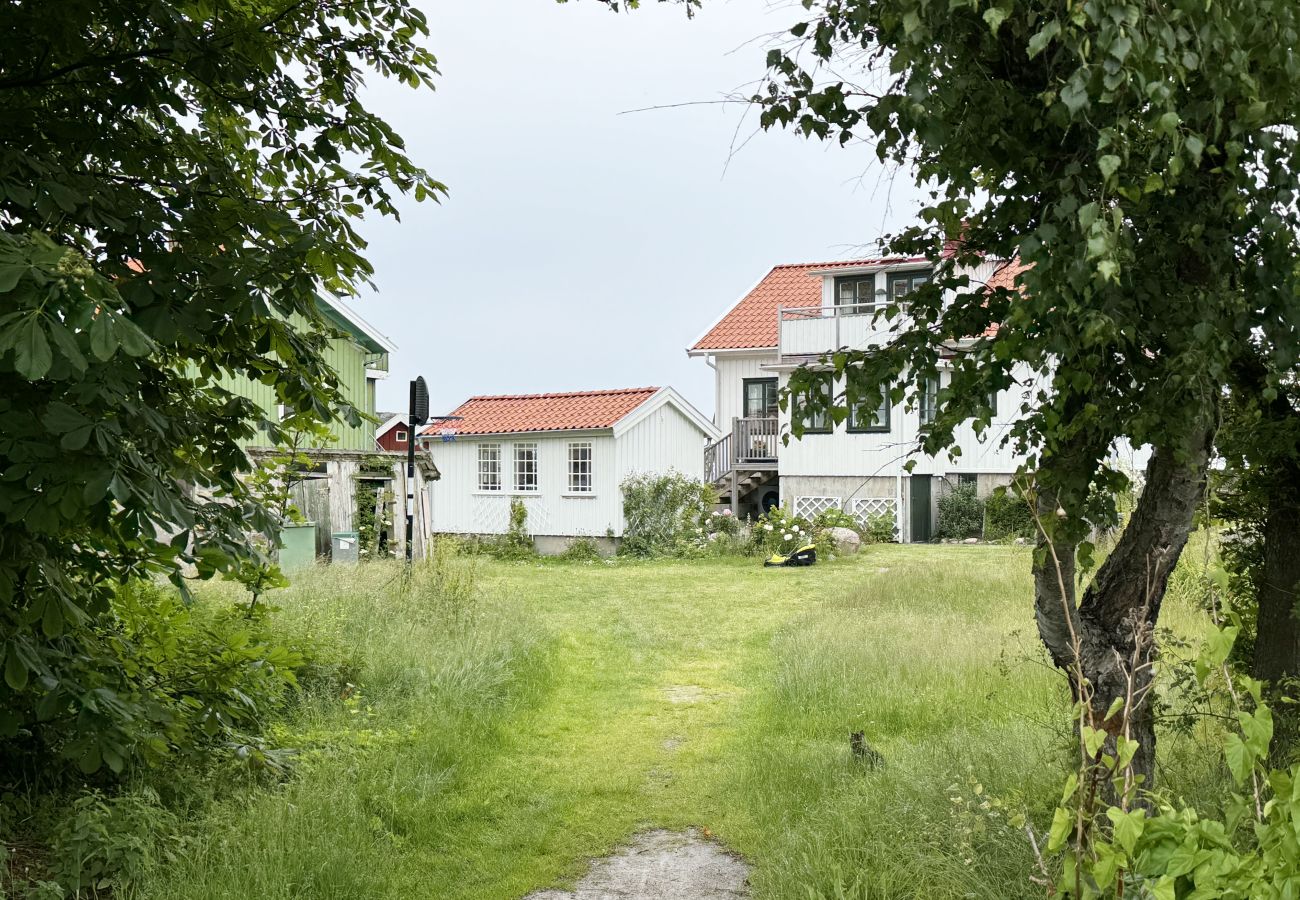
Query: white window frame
[(520, 468), (493, 483), (928, 400), (400, 436), (582, 482)]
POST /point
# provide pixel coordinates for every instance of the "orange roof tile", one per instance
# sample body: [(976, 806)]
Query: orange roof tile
[(753, 321), (574, 411), (1004, 276)]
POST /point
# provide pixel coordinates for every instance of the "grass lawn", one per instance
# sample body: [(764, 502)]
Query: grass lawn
[(503, 738)]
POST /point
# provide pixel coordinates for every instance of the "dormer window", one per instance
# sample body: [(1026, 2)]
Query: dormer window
[(903, 283), (856, 294)]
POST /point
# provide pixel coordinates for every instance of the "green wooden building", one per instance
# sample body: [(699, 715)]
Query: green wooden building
[(360, 359)]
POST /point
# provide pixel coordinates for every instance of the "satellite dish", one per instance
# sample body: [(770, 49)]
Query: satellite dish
[(419, 401)]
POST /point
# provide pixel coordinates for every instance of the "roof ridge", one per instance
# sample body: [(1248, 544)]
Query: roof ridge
[(844, 262), (598, 392)]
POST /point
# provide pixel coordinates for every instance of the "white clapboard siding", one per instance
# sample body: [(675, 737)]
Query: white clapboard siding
[(656, 437), (732, 370), (459, 507)]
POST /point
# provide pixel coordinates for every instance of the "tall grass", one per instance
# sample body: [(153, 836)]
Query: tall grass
[(496, 724), (428, 672)]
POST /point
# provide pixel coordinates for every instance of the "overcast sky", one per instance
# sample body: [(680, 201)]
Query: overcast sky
[(584, 246)]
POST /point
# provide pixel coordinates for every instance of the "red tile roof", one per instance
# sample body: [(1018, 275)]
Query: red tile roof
[(753, 321), (514, 413), (1004, 276)]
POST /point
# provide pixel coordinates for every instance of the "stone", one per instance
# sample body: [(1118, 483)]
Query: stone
[(971, 541), (846, 540)]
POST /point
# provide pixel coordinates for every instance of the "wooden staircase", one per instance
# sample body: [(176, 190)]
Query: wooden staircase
[(743, 460)]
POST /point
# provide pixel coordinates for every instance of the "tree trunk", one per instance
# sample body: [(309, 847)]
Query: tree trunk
[(1277, 639), (1110, 629)]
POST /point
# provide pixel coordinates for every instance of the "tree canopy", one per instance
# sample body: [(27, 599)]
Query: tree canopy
[(178, 179)]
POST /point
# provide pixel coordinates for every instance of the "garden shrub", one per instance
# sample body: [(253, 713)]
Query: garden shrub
[(516, 543), (838, 518), (961, 513), (581, 549), (1007, 516), (665, 515), (781, 531), (880, 528)]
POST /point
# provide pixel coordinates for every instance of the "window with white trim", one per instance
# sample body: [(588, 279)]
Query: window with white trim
[(489, 467), (928, 394), (580, 454), (866, 417), (526, 468), (400, 436)]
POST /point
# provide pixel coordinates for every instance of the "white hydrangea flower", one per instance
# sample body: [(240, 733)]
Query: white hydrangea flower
[(767, 526)]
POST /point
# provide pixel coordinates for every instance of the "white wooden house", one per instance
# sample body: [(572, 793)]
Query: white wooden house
[(564, 455), (794, 315)]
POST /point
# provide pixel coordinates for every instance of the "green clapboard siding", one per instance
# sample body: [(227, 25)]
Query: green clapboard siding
[(348, 359)]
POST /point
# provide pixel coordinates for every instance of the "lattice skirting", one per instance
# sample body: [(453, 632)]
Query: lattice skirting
[(864, 508), (810, 507)]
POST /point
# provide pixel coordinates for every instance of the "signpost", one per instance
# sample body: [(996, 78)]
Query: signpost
[(419, 414)]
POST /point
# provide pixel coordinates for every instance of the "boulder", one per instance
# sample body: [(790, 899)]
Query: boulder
[(846, 540), (971, 541)]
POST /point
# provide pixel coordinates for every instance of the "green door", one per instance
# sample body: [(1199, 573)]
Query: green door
[(919, 500)]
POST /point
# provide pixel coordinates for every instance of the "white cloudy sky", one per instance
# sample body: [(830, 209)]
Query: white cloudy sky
[(583, 246)]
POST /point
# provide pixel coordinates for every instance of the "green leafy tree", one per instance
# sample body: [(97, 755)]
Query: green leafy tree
[(178, 179), (1135, 164)]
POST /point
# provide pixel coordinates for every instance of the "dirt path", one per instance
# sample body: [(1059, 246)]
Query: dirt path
[(661, 865)]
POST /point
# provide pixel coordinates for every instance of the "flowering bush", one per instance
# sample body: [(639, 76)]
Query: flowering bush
[(780, 531)]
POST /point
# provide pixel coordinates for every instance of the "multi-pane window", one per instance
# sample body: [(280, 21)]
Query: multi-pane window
[(760, 398), (928, 395), (813, 408), (489, 467), (580, 468), (903, 283), (525, 467), (856, 293), (865, 416)]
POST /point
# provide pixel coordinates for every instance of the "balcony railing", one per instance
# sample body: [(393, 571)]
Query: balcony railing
[(750, 445), (810, 331)]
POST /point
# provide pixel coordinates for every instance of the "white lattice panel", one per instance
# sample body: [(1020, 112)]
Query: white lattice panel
[(810, 507), (864, 508)]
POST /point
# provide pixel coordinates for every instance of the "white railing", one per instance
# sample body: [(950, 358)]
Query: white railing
[(807, 331)]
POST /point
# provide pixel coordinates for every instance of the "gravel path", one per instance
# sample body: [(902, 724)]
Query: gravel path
[(661, 865)]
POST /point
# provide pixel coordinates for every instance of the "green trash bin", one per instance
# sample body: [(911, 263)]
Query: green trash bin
[(345, 546), (299, 550)]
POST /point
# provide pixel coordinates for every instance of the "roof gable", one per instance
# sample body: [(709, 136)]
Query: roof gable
[(520, 413), (752, 322)]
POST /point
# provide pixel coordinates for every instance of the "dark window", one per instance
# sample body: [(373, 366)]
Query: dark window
[(760, 398), (966, 478), (903, 283), (865, 418), (856, 294), (928, 393), (815, 417)]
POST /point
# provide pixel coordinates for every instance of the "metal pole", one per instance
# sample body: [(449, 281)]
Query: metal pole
[(410, 480)]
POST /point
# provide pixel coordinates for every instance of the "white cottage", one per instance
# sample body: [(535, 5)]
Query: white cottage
[(794, 315), (564, 455)]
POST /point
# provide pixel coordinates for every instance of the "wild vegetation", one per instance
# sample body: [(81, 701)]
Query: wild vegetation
[(484, 729)]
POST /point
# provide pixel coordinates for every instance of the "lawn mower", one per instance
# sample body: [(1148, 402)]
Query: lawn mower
[(804, 556)]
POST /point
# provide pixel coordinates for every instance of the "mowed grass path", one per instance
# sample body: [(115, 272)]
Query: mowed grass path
[(622, 696)]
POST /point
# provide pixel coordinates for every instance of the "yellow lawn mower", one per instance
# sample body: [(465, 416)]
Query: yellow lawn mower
[(804, 556)]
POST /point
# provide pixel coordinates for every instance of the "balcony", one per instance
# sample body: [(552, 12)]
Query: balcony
[(807, 332)]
